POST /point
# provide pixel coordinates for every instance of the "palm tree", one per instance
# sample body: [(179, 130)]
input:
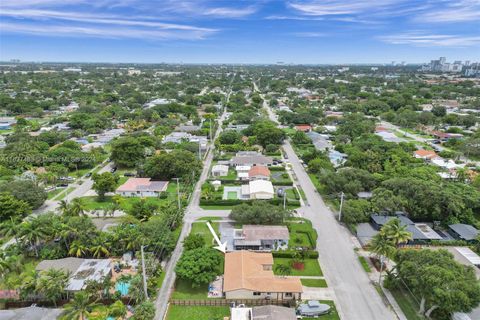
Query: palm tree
[(118, 309), (283, 269), (384, 247), (52, 284), (396, 232), (100, 250), (78, 249), (77, 207), (5, 263), (32, 233), (63, 207), (11, 228), (80, 306)]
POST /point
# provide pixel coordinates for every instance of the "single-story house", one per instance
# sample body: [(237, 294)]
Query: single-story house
[(463, 231), (250, 158), (249, 275), (258, 189), (178, 137), (31, 313), (219, 170), (421, 232), (425, 154), (445, 136), (242, 172), (142, 187), (187, 128), (268, 312), (259, 237), (303, 127), (80, 270), (259, 173)]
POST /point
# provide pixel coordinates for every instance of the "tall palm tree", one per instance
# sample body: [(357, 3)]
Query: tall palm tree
[(78, 249), (32, 233), (384, 248), (396, 232), (118, 310), (100, 250), (80, 306)]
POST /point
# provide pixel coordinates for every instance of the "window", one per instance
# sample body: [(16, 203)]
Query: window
[(288, 294), (257, 293)]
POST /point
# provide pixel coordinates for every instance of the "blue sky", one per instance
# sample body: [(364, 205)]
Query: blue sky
[(239, 31)]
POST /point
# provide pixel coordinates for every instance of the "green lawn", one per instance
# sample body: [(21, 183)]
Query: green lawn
[(312, 268), (202, 229), (407, 304), (216, 207), (209, 218), (54, 193), (197, 313), (333, 315), (365, 264), (232, 195), (316, 283), (184, 291), (302, 234), (64, 194)]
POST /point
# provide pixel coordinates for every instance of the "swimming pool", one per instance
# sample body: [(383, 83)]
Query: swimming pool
[(122, 287)]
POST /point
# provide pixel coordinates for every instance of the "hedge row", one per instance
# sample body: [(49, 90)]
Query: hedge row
[(310, 254), (233, 202)]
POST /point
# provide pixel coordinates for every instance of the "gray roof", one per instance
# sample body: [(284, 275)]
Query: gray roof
[(30, 313), (383, 219), (67, 264), (465, 231), (251, 159), (365, 233), (273, 313), (260, 232)]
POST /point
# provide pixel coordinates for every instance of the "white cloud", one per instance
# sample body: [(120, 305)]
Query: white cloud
[(340, 7), (439, 40), (460, 11), (225, 12), (97, 19), (101, 31)]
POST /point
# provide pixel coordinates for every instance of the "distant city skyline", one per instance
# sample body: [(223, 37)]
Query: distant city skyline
[(244, 31)]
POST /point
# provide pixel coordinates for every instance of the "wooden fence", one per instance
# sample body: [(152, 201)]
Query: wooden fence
[(228, 302)]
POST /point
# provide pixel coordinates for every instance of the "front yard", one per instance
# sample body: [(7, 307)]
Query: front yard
[(311, 267)]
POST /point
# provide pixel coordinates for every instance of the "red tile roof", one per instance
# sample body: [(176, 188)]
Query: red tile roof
[(259, 171)]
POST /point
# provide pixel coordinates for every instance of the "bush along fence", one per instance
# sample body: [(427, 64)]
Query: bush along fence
[(234, 202)]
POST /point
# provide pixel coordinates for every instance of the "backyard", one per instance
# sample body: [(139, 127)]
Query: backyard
[(197, 313)]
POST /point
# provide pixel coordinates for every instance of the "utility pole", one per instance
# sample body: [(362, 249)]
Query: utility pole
[(178, 192), (199, 150), (341, 206), (144, 273), (284, 200)]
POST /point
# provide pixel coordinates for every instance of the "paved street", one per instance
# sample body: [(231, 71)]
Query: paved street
[(353, 293), (192, 213)]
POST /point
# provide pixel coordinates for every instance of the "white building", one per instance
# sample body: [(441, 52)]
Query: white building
[(258, 189), (219, 170)]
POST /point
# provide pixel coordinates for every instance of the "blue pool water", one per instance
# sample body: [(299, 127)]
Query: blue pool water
[(122, 287), (110, 318)]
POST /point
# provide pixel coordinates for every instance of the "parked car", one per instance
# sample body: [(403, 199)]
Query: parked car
[(129, 174), (280, 192), (88, 175), (62, 185), (113, 170), (313, 308)]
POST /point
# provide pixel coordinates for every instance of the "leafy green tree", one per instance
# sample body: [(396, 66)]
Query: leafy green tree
[(117, 310), (103, 183), (27, 191), (356, 211), (78, 249), (354, 125), (268, 133), (259, 212), (230, 137), (384, 200), (143, 209), (176, 164), (442, 285), (193, 241), (12, 208), (199, 266), (301, 137), (127, 152)]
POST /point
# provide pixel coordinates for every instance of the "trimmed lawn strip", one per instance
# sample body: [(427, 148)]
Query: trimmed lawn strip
[(209, 218), (52, 194), (312, 267), (407, 304), (64, 194), (365, 264), (197, 313), (315, 283), (333, 315)]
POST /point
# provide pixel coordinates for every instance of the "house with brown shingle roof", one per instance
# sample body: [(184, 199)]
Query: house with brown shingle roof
[(249, 275), (259, 173)]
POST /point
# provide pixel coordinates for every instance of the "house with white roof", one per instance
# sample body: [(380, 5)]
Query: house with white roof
[(258, 189)]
